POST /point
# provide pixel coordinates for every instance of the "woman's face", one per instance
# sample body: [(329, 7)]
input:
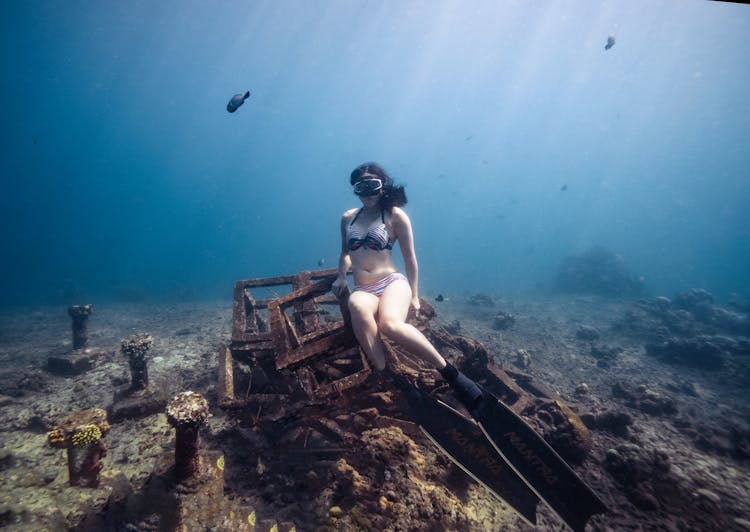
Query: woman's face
[(370, 201), (369, 189)]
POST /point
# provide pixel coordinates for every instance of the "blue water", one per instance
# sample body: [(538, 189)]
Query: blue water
[(124, 177)]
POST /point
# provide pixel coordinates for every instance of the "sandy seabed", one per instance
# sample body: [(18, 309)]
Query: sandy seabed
[(670, 440)]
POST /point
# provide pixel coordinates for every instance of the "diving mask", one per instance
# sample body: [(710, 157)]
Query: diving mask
[(368, 187)]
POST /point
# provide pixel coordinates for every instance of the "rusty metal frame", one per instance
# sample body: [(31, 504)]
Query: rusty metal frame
[(295, 341), (248, 328), (293, 347)]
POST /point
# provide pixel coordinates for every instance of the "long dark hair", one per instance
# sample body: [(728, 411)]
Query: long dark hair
[(393, 195)]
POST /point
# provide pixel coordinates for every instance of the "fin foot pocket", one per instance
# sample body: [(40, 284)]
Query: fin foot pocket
[(467, 391)]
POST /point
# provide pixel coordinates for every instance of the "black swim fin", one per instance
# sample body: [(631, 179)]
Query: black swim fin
[(536, 463), (460, 439)]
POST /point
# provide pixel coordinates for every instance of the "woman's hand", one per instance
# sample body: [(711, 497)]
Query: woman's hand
[(339, 287), (415, 303)]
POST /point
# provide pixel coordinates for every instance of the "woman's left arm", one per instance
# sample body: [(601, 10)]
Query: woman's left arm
[(405, 236)]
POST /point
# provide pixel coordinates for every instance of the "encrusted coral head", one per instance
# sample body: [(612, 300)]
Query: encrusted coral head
[(80, 428), (136, 345), (86, 435), (187, 408)]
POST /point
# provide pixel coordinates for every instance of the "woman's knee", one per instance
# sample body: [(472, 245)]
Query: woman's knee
[(378, 364), (390, 326), (359, 306)]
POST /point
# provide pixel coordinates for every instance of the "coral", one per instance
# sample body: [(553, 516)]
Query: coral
[(187, 412), (80, 315), (80, 311), (187, 408), (136, 345), (503, 320), (135, 348), (81, 434), (56, 437), (86, 435), (78, 428), (597, 271)]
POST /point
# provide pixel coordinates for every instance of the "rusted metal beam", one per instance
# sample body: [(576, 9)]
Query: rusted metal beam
[(226, 375), (323, 330), (313, 348), (312, 290), (338, 386), (305, 310)]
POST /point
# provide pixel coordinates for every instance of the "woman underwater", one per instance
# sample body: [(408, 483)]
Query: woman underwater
[(380, 300)]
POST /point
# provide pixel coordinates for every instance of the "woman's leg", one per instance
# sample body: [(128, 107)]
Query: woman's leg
[(394, 307), (363, 307)]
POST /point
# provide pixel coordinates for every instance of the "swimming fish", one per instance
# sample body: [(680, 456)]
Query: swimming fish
[(564, 188), (321, 261), (610, 42), (236, 101)]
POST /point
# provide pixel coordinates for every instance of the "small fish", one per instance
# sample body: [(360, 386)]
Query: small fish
[(439, 298), (236, 101), (321, 261), (563, 188), (469, 137), (610, 42)]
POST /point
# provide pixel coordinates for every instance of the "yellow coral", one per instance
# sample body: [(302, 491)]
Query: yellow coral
[(86, 435), (220, 462), (56, 436)]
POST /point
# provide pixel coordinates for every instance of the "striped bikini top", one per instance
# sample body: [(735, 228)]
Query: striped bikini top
[(376, 237)]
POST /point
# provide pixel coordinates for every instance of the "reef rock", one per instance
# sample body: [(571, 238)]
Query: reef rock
[(699, 352), (642, 473), (597, 271), (644, 399), (503, 320)]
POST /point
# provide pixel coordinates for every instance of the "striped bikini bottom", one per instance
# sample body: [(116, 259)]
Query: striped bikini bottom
[(378, 287)]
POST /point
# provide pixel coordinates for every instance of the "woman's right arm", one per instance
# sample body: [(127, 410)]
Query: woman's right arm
[(345, 261)]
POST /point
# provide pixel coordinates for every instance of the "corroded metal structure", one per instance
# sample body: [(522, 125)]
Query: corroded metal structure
[(289, 342), (288, 354), (294, 372)]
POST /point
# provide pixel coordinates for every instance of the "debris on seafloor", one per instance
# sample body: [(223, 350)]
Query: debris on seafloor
[(80, 316), (343, 435), (135, 348), (80, 434), (481, 300), (503, 320), (138, 399), (187, 412), (185, 490), (82, 358)]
